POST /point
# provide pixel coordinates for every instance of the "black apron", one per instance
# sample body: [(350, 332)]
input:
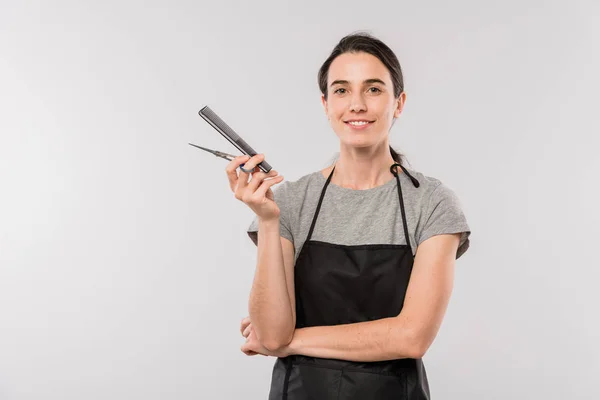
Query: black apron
[(338, 284)]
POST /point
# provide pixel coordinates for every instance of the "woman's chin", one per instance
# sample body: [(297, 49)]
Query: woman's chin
[(359, 145), (358, 141)]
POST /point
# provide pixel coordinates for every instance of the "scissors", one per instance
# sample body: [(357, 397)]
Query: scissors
[(220, 154)]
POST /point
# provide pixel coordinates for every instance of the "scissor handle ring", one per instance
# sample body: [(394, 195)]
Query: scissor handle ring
[(245, 170)]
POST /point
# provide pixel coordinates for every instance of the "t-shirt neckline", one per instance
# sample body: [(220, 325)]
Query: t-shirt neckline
[(338, 188)]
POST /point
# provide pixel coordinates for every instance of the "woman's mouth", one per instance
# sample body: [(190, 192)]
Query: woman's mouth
[(358, 124)]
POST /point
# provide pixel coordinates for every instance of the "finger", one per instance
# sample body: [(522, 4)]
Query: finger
[(258, 178), (246, 350), (245, 322), (242, 181), (247, 331), (265, 185), (249, 165), (243, 330), (231, 170)]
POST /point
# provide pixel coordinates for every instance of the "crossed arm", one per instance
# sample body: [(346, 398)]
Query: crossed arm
[(407, 335)]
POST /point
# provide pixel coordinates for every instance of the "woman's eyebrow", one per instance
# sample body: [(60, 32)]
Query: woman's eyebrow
[(366, 82)]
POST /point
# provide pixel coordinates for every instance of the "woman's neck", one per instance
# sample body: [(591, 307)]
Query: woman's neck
[(361, 170)]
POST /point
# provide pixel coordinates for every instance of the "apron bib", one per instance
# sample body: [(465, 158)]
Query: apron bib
[(338, 284)]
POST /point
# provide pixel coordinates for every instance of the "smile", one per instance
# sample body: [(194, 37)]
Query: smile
[(358, 124)]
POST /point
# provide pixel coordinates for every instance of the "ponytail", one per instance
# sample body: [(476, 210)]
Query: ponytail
[(399, 158)]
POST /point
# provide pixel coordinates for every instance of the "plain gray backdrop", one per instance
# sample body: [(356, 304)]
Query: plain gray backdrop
[(125, 267)]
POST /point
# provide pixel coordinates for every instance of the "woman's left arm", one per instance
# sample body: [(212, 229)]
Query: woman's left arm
[(407, 335)]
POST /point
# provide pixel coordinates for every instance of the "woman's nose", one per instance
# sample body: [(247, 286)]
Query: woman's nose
[(357, 103)]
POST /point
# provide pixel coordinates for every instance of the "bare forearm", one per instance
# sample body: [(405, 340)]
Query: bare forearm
[(270, 307), (384, 339)]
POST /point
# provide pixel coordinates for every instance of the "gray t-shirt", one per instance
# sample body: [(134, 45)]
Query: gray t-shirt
[(371, 216)]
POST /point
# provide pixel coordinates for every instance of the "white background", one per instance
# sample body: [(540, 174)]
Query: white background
[(124, 263)]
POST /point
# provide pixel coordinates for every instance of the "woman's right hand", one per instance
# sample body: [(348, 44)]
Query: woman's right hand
[(256, 193)]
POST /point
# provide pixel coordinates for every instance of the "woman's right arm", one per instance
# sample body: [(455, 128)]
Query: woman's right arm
[(272, 300)]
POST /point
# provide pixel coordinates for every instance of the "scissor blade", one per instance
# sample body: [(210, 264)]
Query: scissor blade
[(203, 148), (217, 153)]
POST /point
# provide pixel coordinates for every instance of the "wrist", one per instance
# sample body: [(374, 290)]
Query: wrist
[(270, 224)]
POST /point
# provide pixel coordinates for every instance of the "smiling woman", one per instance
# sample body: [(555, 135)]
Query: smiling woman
[(355, 262), (356, 56)]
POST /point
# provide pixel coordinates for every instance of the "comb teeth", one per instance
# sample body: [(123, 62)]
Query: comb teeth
[(215, 119), (225, 130)]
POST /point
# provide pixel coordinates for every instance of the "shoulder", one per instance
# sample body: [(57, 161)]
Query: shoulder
[(440, 212), (431, 189)]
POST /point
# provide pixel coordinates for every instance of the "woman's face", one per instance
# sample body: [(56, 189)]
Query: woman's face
[(360, 104)]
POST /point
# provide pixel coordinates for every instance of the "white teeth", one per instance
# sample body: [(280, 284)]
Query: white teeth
[(358, 122)]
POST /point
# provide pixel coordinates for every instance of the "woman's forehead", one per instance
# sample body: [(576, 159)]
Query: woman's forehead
[(357, 68)]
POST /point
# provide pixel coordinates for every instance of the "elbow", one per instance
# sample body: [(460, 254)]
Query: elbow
[(275, 341), (275, 344), (413, 344), (418, 351), (419, 344)]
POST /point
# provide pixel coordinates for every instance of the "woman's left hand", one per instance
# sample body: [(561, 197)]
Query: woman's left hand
[(253, 347)]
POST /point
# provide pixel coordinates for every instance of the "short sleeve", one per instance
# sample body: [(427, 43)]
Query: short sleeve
[(444, 215), (282, 199)]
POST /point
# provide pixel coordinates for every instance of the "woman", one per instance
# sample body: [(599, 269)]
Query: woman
[(355, 262)]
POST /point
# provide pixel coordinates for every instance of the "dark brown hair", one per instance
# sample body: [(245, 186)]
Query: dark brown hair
[(365, 42)]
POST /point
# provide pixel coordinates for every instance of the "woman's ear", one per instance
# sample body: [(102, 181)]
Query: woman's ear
[(400, 104), (324, 102)]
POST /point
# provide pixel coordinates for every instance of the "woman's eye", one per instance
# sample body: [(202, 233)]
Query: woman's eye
[(342, 90)]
